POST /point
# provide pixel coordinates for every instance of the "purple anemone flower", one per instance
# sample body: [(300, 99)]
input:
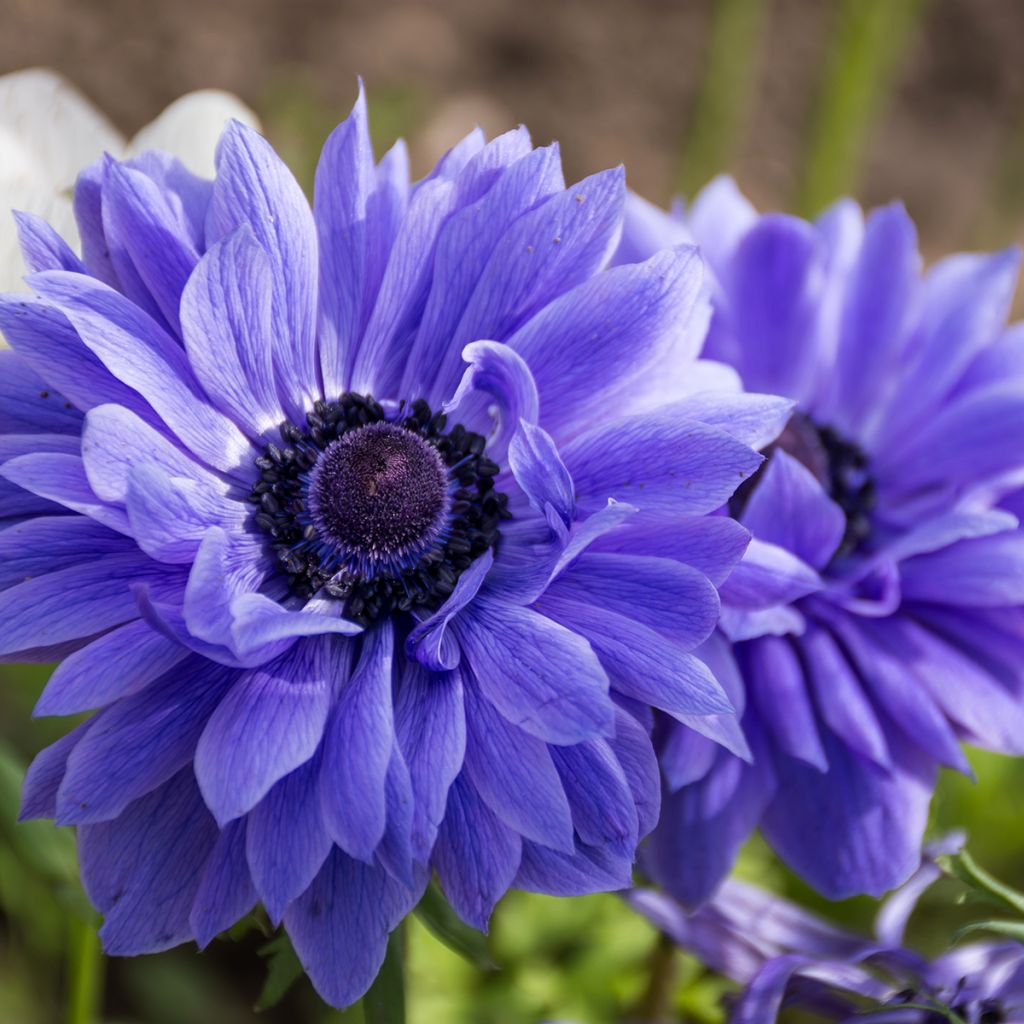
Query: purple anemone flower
[(351, 523), (786, 958), (877, 618)]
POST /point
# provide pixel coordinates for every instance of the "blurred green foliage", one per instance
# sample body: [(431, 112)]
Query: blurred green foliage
[(869, 40)]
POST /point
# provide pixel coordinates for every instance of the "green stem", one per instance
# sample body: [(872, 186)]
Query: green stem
[(85, 973), (726, 92), (655, 1004), (385, 1002), (869, 38)]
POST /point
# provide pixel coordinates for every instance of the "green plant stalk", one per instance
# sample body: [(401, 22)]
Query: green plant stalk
[(385, 1001), (85, 973), (869, 39), (725, 95)]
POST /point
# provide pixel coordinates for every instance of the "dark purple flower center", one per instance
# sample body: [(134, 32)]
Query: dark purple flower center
[(840, 466), (383, 513), (380, 493)]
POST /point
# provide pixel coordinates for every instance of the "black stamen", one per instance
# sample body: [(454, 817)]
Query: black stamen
[(359, 506), (841, 466)]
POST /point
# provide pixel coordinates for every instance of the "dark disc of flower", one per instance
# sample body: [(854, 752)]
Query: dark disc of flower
[(380, 493), (839, 465), (382, 514)]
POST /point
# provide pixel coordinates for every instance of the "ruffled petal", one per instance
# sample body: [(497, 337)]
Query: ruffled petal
[(711, 544), (340, 925), (286, 840), (118, 664), (464, 247), (557, 245), (773, 285), (632, 748), (169, 516), (430, 642), (78, 602), (150, 247), (856, 828), (430, 724), (668, 596), (497, 377), (357, 750), (228, 330), (588, 870), (476, 856), (226, 892), (984, 572), (254, 187), (595, 342), (140, 742), (768, 575), (880, 659), (43, 337), (755, 420), (346, 219), (42, 247), (660, 462), (540, 472), (965, 300), (603, 810), (704, 824), (538, 674), (137, 351), (270, 722), (777, 687), (45, 543), (641, 663), (791, 509), (880, 295), (27, 405), (515, 776), (143, 869), (45, 773), (62, 479)]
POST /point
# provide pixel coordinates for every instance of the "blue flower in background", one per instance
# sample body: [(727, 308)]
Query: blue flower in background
[(352, 523), (786, 958), (878, 616)]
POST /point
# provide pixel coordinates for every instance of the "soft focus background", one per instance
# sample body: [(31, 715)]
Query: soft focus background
[(802, 100)]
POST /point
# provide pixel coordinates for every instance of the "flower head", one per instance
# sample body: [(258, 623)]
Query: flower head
[(878, 616), (785, 957), (352, 522)]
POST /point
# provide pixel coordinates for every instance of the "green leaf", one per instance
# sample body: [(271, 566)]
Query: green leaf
[(1011, 929), (446, 926), (963, 866), (283, 970), (385, 1001)]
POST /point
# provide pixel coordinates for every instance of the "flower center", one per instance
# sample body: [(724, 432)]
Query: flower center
[(380, 494), (382, 513), (839, 465)]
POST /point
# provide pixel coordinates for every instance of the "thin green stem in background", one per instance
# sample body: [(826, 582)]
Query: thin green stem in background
[(655, 1004), (870, 39), (85, 973), (385, 1002), (726, 92)]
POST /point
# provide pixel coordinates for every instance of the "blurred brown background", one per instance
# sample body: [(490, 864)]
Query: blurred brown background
[(798, 98)]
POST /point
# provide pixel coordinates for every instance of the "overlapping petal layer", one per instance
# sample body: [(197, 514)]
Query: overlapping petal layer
[(257, 742)]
